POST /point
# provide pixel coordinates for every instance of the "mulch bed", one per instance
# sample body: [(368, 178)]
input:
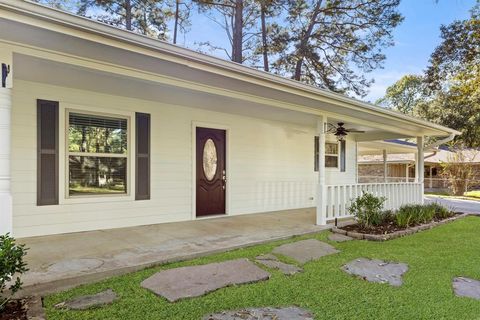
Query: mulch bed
[(389, 230), (14, 310)]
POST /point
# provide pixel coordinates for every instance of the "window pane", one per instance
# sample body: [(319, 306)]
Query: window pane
[(96, 134), (331, 148), (97, 175), (331, 161)]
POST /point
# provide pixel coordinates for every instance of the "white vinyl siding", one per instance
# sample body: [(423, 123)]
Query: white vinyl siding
[(269, 165)]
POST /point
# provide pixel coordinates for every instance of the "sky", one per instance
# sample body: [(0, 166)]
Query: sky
[(415, 39)]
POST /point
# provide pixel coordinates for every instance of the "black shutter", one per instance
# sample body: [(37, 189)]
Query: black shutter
[(343, 156), (47, 152), (316, 153), (142, 156)]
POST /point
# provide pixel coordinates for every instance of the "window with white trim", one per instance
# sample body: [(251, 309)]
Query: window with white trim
[(97, 154), (331, 155)]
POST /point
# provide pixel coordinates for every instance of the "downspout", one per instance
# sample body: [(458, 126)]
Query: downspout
[(438, 143), (436, 146)]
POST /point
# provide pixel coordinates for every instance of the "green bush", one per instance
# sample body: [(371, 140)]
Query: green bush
[(441, 212), (368, 210), (413, 214), (427, 213), (409, 215), (11, 266)]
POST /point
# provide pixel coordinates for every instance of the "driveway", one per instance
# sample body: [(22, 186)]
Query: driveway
[(467, 206)]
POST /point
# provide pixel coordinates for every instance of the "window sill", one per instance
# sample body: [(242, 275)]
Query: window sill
[(97, 199)]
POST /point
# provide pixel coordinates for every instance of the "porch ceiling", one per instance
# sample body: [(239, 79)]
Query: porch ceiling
[(120, 66)]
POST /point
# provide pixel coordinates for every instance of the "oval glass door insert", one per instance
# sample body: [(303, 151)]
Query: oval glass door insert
[(209, 159)]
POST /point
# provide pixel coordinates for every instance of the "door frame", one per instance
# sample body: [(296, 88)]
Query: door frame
[(209, 125)]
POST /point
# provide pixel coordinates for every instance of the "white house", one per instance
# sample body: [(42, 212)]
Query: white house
[(103, 128)]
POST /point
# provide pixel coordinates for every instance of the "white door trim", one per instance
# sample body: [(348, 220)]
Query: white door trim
[(210, 125)]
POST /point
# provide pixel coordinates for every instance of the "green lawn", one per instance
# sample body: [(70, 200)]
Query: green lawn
[(434, 258), (473, 194)]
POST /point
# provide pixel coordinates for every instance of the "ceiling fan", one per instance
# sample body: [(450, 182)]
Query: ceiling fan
[(340, 131)]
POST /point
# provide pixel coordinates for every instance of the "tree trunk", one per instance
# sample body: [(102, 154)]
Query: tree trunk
[(237, 42), (128, 15), (304, 41), (175, 29), (264, 37)]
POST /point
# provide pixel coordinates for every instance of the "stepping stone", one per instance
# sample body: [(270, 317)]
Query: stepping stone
[(337, 237), (377, 270), (465, 287), (305, 250), (271, 261), (290, 313), (194, 281), (87, 302)]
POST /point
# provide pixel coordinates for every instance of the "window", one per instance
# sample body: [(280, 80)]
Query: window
[(331, 155), (97, 154)]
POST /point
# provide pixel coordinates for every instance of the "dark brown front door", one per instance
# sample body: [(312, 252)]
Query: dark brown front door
[(211, 171)]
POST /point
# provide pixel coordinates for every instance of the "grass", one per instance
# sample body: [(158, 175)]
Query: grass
[(434, 257), (473, 194)]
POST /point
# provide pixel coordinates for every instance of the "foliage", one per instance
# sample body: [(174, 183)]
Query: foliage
[(434, 257), (405, 95), (459, 169), (368, 209), (449, 91), (239, 20), (409, 215), (11, 264), (440, 212), (147, 17), (332, 44)]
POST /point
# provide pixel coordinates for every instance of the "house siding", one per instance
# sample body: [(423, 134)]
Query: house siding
[(270, 165)]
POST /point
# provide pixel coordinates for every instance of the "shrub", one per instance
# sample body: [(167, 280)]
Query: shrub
[(410, 214), (441, 212), (368, 210), (11, 265), (426, 214)]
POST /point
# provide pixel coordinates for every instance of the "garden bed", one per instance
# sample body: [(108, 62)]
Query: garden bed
[(389, 230)]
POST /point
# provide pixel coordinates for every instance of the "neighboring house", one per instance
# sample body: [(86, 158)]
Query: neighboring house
[(401, 164), (103, 128)]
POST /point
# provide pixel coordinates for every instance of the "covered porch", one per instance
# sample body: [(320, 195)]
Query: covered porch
[(270, 125), (61, 261)]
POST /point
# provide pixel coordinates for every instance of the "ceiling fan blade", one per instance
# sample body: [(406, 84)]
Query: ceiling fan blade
[(355, 131)]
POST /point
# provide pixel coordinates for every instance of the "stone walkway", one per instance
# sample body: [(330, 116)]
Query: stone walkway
[(337, 237), (377, 270), (90, 301), (290, 313), (271, 261), (305, 250), (62, 261), (466, 287), (194, 281)]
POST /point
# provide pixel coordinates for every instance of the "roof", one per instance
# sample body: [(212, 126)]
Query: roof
[(26, 10), (442, 156)]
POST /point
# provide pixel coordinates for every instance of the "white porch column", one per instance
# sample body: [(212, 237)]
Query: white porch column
[(5, 138), (385, 166), (420, 166), (407, 172), (321, 187)]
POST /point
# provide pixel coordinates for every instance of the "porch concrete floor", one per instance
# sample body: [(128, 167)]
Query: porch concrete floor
[(62, 261)]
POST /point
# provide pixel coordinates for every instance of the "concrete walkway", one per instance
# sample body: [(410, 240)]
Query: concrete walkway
[(62, 261), (466, 206)]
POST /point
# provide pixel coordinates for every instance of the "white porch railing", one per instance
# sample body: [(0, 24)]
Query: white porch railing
[(340, 197)]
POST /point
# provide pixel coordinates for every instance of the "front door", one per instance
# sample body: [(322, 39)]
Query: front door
[(211, 171)]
